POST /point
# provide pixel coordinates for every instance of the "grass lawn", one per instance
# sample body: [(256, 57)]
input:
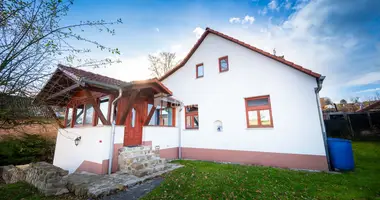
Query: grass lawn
[(207, 180)]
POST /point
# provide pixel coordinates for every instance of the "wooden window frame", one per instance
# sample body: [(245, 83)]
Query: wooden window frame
[(191, 115), (196, 70), (258, 109), (160, 117), (220, 65)]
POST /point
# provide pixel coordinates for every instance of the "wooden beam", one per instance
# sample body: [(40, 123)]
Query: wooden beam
[(96, 107), (131, 101), (150, 115), (51, 111), (63, 91)]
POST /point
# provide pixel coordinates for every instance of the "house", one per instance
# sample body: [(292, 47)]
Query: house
[(226, 101)]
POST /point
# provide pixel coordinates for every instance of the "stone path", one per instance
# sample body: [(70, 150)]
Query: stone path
[(94, 186), (136, 192)]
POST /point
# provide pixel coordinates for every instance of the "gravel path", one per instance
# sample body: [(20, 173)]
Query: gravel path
[(136, 192)]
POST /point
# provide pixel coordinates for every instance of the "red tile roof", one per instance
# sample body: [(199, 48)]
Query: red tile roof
[(78, 73), (209, 30)]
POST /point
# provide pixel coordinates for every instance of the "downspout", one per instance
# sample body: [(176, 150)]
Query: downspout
[(113, 124), (180, 133), (320, 114)]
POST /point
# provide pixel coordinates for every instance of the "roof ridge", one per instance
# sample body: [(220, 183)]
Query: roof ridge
[(246, 45), (95, 74)]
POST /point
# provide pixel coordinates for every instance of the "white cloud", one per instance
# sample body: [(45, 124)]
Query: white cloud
[(369, 90), (175, 48), (198, 32), (288, 5), (371, 77), (130, 68), (248, 19), (263, 12), (234, 20), (273, 5), (157, 29)]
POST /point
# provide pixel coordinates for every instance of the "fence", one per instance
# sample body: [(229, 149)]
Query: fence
[(355, 126)]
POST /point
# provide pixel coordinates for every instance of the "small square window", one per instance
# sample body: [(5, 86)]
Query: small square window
[(199, 70), (223, 64)]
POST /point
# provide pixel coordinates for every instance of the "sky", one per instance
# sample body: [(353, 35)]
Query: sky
[(339, 39)]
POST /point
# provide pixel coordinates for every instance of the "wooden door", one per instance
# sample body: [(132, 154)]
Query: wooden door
[(133, 126)]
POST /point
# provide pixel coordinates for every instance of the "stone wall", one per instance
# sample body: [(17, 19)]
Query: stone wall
[(47, 178)]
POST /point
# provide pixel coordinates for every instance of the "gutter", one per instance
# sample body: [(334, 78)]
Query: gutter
[(320, 114)]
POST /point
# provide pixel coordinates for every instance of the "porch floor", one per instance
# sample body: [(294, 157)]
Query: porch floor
[(95, 186)]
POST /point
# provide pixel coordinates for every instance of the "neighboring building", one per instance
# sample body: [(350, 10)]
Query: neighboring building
[(226, 101)]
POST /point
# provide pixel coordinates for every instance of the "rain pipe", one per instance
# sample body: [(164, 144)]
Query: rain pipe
[(320, 114), (113, 124)]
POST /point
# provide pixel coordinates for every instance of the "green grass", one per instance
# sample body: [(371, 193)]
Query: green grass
[(207, 180)]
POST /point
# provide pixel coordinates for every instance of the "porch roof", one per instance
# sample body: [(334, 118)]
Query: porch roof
[(66, 81)]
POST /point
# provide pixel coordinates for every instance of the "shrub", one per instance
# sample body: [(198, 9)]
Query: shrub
[(26, 149)]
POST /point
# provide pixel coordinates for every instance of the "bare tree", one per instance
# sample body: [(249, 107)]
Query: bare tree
[(355, 99), (162, 63), (33, 40)]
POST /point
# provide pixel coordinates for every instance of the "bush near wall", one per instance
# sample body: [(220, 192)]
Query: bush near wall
[(26, 149)]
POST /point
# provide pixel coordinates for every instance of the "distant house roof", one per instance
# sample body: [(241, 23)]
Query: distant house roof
[(374, 106), (209, 30)]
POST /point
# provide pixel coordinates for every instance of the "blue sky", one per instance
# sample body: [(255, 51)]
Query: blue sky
[(337, 38)]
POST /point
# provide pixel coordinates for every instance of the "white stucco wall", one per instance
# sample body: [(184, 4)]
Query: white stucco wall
[(94, 145), (165, 137), (220, 96)]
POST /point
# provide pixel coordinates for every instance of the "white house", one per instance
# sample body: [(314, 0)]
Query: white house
[(226, 101)]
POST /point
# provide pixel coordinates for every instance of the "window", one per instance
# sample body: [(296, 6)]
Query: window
[(133, 120), (223, 64), (163, 116), (258, 112), (79, 115), (199, 70), (88, 114), (191, 117), (104, 108)]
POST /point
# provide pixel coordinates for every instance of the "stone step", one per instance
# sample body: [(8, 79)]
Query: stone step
[(138, 148), (150, 170), (132, 154)]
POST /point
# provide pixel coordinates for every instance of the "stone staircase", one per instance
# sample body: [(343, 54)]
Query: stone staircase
[(140, 161)]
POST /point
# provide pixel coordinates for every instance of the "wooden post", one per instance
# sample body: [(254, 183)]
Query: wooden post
[(131, 101), (350, 124), (66, 115), (51, 111), (369, 119), (150, 115), (96, 107)]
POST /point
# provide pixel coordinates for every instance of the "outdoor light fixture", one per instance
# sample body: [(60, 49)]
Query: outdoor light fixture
[(77, 140)]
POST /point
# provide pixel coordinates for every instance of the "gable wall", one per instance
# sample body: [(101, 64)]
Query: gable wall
[(220, 96)]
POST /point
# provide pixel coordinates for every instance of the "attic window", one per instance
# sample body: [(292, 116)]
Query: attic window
[(223, 64), (199, 70)]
